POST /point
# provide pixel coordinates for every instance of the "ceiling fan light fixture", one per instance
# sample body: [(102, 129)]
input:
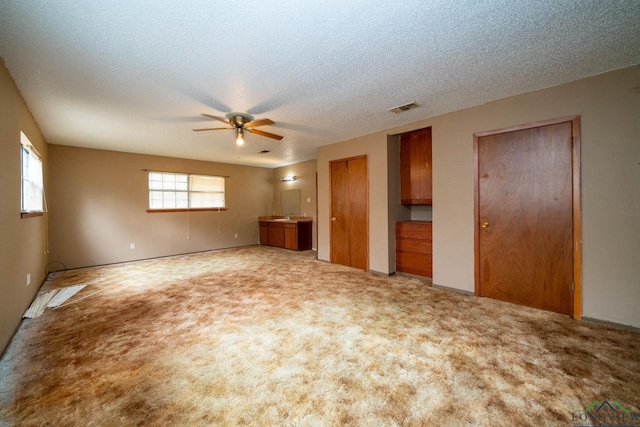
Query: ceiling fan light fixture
[(241, 122), (239, 136), (239, 119)]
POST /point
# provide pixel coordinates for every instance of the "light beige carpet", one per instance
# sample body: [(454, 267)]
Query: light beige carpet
[(263, 336)]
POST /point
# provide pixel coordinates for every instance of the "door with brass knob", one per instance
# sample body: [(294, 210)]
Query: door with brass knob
[(349, 229), (524, 235)]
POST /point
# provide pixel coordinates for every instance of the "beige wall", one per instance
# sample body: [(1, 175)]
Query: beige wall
[(609, 106), (98, 202), (22, 241), (305, 173)]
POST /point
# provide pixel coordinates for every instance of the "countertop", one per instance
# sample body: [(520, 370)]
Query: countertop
[(280, 218)]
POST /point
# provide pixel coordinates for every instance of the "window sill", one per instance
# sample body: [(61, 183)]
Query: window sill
[(30, 214), (185, 210)]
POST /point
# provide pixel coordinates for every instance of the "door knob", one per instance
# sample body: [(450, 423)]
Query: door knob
[(333, 219), (485, 225)]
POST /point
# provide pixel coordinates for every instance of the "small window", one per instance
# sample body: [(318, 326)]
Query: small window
[(31, 174), (175, 191)]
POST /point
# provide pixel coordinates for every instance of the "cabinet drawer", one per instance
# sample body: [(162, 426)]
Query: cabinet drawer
[(289, 225), (417, 272), (409, 245), (414, 230), (419, 261), (414, 263)]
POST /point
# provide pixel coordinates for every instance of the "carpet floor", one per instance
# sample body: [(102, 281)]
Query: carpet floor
[(264, 336)]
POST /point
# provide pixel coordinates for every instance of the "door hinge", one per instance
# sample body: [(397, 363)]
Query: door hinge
[(573, 286)]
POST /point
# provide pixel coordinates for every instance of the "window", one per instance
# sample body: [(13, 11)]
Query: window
[(175, 191), (32, 200)]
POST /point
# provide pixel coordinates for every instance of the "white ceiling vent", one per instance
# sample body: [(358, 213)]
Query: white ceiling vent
[(405, 107)]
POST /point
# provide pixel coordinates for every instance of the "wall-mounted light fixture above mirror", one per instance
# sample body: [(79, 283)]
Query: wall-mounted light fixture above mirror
[(288, 178)]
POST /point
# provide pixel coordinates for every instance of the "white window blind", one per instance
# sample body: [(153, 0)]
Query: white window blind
[(206, 191), (184, 191), (31, 174)]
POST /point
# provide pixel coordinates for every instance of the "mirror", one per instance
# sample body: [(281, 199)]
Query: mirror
[(290, 202)]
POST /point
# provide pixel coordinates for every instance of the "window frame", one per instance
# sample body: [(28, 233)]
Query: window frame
[(188, 193), (28, 153)]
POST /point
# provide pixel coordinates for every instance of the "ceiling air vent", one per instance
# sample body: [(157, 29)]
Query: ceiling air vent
[(401, 108)]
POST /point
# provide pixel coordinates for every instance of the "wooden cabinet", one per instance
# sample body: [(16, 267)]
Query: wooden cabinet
[(290, 234), (415, 167), (275, 233), (414, 248), (264, 232)]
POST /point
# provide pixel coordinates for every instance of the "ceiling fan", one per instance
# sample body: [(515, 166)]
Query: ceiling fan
[(241, 122)]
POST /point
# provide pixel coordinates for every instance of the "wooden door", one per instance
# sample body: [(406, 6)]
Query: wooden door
[(525, 216), (349, 232)]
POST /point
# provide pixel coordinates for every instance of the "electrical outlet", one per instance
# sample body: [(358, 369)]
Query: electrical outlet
[(308, 199), (28, 279), (132, 246), (236, 235)]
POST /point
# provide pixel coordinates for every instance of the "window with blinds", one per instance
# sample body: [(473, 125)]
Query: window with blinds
[(170, 191), (32, 199)]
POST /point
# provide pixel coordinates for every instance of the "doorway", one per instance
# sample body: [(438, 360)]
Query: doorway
[(527, 215), (349, 223)]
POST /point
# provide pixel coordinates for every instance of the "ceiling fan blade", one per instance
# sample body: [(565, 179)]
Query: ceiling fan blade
[(198, 130), (260, 122), (220, 119), (267, 134)]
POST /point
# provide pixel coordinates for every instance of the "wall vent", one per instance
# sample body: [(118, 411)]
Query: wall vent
[(401, 108), (263, 152)]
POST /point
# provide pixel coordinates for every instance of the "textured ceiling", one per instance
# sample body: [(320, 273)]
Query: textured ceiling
[(135, 76)]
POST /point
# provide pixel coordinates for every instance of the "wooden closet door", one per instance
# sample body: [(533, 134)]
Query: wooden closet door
[(525, 217), (349, 230)]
